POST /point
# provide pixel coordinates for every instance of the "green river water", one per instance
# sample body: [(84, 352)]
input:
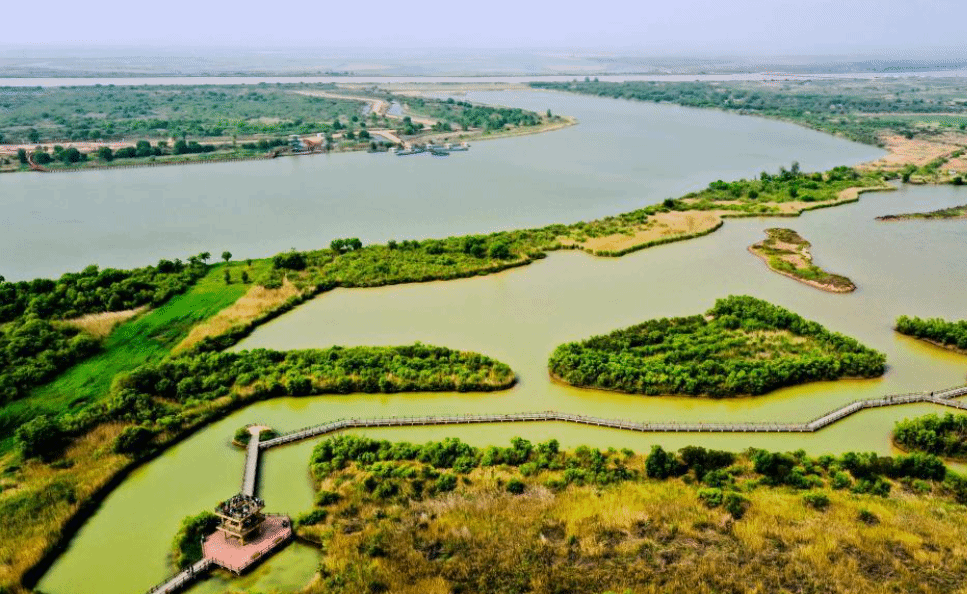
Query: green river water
[(519, 316)]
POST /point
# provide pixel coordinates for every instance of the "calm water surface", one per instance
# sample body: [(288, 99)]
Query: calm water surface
[(519, 317), (621, 156)]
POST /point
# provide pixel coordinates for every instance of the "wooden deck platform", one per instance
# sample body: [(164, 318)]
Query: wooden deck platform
[(235, 557)]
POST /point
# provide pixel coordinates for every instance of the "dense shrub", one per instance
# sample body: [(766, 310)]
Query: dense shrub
[(815, 500), (33, 350), (40, 437), (943, 332), (749, 347), (188, 540), (133, 440), (263, 373)]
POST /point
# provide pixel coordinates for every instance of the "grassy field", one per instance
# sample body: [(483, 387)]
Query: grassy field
[(149, 337), (531, 519), (787, 253)]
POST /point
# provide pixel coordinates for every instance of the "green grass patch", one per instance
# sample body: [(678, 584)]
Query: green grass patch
[(145, 339)]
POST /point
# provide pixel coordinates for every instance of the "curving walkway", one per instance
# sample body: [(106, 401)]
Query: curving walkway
[(943, 397)]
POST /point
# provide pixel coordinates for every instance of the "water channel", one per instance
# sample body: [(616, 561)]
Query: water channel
[(623, 155)]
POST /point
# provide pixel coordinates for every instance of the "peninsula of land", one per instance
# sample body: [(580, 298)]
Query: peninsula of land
[(943, 214)]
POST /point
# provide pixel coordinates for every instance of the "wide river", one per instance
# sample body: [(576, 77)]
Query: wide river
[(621, 156)]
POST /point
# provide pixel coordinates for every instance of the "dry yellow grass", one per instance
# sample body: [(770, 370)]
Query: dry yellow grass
[(659, 226), (35, 509), (917, 151), (257, 301), (100, 325), (642, 536)]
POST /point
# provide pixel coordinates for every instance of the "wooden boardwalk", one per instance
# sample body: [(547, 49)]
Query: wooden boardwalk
[(183, 578), (251, 463), (943, 398)]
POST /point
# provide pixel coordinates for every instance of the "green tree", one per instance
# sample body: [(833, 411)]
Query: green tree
[(226, 255), (70, 156), (205, 256), (22, 156), (660, 464), (143, 149), (33, 135), (105, 154), (40, 437)]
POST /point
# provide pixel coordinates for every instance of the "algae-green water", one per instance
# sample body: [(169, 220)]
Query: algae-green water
[(519, 316)]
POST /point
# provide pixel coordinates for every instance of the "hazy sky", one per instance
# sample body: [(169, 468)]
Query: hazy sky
[(673, 26)]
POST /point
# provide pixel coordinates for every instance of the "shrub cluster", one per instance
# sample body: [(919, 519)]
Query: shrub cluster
[(154, 391), (943, 332), (941, 435), (748, 347)]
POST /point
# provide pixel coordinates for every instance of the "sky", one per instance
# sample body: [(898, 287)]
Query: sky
[(670, 27)]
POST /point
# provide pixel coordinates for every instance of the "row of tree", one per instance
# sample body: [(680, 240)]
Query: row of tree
[(140, 395), (96, 290), (938, 330), (748, 347)]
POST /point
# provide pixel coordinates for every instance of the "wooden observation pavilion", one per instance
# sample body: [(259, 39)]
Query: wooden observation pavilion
[(240, 517)]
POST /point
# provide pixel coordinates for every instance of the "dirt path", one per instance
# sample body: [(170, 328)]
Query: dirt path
[(376, 105)]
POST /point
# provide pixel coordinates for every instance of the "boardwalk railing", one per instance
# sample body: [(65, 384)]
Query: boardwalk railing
[(182, 578), (942, 397), (251, 464)]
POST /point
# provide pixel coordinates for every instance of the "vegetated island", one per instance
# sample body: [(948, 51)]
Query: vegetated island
[(742, 345), (448, 517), (948, 214), (942, 435), (147, 317), (937, 331), (787, 253)]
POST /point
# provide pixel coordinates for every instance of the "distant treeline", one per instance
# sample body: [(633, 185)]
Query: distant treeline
[(824, 106), (114, 112)]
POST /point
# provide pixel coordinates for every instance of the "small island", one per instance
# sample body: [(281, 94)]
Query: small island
[(742, 346), (787, 253), (947, 214)]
